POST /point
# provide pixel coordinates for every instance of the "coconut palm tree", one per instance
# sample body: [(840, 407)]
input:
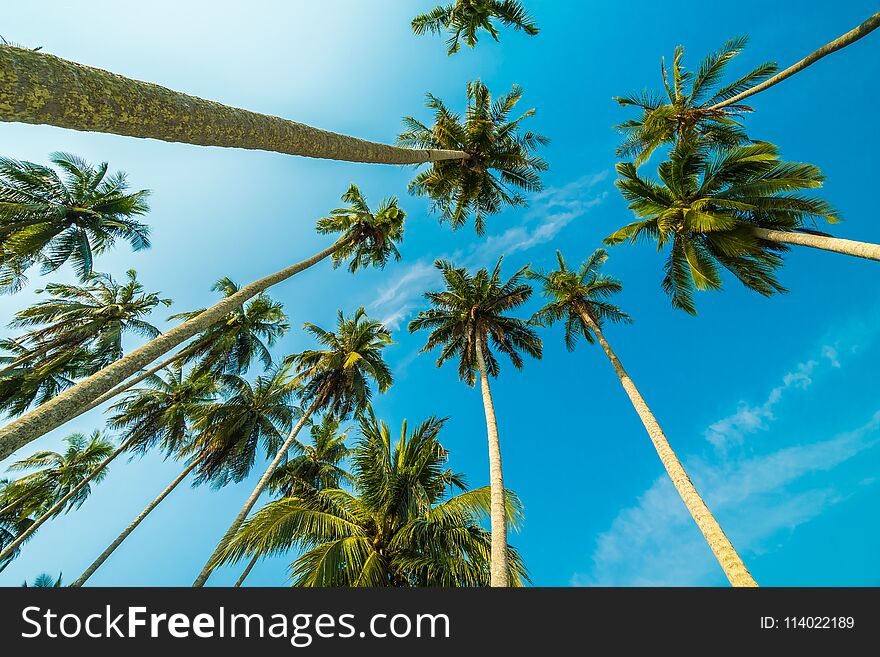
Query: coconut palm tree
[(24, 386), (581, 298), (44, 581), (688, 104), (95, 316), (47, 218), (464, 18), (365, 238), (399, 527), (44, 89), (502, 165), (61, 483), (334, 379), (736, 209), (467, 321)]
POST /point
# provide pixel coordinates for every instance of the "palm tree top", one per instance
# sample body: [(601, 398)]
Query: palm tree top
[(473, 308), (705, 205), (338, 376), (463, 19), (572, 293), (502, 165), (367, 237), (686, 103)]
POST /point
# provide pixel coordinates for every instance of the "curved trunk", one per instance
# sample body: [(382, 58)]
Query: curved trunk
[(60, 409), (39, 88), (721, 547), (841, 42), (134, 523), (247, 571), (252, 500), (847, 247), (498, 568), (55, 508)]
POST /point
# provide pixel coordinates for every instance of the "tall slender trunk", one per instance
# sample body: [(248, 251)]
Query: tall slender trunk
[(252, 500), (246, 572), (60, 409), (39, 88), (721, 547), (841, 42), (134, 523), (847, 247), (55, 508), (498, 575)]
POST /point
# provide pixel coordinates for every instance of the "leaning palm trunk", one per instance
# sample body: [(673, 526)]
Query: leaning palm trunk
[(252, 500), (55, 508), (134, 523), (69, 403), (730, 561), (43, 89), (246, 572), (841, 42), (847, 247), (498, 574)]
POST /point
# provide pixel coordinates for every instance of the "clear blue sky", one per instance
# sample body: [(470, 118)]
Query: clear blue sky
[(772, 404)]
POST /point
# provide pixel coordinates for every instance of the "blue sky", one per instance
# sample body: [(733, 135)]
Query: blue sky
[(772, 404)]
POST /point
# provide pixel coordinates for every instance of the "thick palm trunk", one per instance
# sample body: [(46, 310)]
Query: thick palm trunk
[(55, 508), (246, 572), (43, 89), (721, 547), (252, 500), (134, 523), (841, 42), (497, 513), (60, 409), (847, 247)]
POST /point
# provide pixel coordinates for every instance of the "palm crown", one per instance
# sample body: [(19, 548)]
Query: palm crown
[(473, 309), (30, 379), (48, 219), (337, 378), (398, 527), (664, 119), (572, 294), (502, 162), (463, 19), (706, 203), (318, 464)]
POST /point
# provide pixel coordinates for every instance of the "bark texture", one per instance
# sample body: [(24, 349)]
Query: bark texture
[(134, 523), (39, 88), (721, 547), (847, 247), (67, 405), (497, 515)]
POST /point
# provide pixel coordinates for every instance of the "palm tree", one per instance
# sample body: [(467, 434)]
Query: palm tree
[(44, 89), (736, 209), (61, 483), (581, 299), (464, 18), (334, 379), (467, 320), (365, 238), (24, 386), (693, 109), (502, 164), (96, 315), (44, 581), (398, 528), (49, 219)]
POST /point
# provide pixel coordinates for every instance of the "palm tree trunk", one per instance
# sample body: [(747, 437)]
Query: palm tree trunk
[(60, 409), (55, 508), (721, 547), (39, 88), (841, 42), (252, 500), (847, 247), (247, 571), (497, 512), (134, 523)]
